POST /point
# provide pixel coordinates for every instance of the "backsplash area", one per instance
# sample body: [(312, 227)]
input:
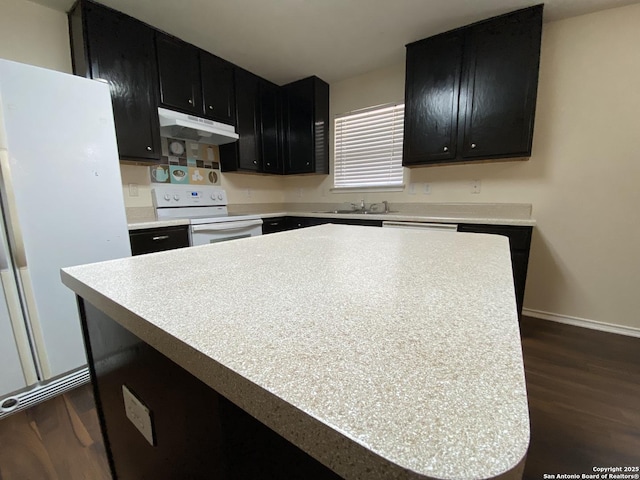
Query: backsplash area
[(187, 163)]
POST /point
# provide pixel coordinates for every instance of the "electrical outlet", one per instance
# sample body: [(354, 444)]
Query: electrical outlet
[(133, 189), (299, 191), (475, 186), (412, 189), (427, 189), (138, 414), (249, 193)]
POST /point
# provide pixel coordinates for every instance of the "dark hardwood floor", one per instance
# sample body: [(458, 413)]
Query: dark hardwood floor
[(59, 439), (584, 402), (584, 398)]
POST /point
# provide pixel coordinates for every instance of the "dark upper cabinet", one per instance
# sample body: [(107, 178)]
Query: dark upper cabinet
[(258, 119), (179, 74), (471, 93), (114, 47), (306, 126), (245, 153), (218, 91), (431, 99), (194, 81), (501, 82), (270, 127)]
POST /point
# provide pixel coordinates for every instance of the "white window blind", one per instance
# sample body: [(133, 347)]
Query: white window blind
[(368, 147)]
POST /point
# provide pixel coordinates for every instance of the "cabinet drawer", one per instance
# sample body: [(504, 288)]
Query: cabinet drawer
[(158, 239), (519, 236), (273, 225)]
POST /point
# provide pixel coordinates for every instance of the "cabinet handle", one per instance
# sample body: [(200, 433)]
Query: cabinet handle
[(210, 107), (446, 149), (190, 102), (268, 164), (274, 224), (161, 237), (473, 145), (308, 163), (149, 149), (255, 162)]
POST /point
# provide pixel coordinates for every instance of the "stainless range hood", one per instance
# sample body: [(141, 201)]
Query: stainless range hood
[(195, 129)]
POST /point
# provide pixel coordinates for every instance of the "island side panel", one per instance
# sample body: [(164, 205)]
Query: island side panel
[(197, 432)]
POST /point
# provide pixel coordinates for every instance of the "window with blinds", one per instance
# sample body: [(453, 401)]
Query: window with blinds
[(368, 147)]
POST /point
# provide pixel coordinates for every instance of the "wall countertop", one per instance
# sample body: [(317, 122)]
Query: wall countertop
[(406, 217), (398, 357), (492, 214)]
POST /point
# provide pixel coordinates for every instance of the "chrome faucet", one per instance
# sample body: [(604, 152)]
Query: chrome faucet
[(386, 206), (362, 207)]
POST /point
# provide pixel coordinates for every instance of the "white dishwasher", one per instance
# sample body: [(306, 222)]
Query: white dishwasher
[(440, 227)]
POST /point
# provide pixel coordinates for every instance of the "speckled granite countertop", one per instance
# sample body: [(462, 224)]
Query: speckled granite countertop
[(383, 353), (484, 213)]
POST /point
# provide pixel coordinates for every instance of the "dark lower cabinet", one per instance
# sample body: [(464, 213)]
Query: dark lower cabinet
[(120, 50), (198, 434), (158, 239), (520, 245), (470, 94), (301, 222), (274, 225)]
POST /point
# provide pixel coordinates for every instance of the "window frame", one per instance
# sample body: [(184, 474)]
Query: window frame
[(395, 151)]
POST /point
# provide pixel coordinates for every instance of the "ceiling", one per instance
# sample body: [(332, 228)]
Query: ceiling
[(285, 40)]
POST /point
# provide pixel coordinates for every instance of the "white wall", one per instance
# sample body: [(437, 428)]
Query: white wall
[(33, 34), (582, 178)]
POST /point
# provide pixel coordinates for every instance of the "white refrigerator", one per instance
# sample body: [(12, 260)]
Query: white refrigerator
[(62, 205)]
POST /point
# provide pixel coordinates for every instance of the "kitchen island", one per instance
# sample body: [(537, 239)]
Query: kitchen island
[(379, 353)]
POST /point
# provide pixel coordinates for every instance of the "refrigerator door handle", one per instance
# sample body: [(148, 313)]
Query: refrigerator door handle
[(19, 326), (10, 214), (16, 259)]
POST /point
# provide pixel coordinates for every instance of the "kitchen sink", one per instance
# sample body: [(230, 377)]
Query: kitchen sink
[(357, 212)]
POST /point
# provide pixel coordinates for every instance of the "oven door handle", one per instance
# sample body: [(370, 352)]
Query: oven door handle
[(225, 226)]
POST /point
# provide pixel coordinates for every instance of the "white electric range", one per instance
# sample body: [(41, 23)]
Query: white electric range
[(206, 208)]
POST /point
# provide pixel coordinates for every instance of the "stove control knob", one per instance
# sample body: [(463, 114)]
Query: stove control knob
[(219, 196), (167, 197), (176, 197), (213, 196)]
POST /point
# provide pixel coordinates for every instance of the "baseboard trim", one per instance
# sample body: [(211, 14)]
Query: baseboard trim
[(583, 322)]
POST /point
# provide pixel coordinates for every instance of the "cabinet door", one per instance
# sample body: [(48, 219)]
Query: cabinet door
[(218, 91), (431, 99), (299, 127), (274, 225), (122, 52), (500, 81), (519, 246), (270, 127), (158, 239), (247, 86), (179, 73)]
